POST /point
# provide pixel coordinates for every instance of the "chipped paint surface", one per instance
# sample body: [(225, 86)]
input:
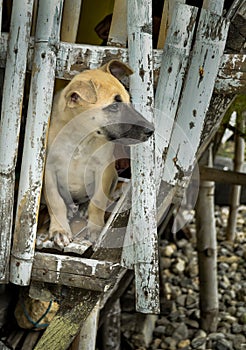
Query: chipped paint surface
[(39, 109), (10, 122), (207, 52), (143, 223), (173, 66)]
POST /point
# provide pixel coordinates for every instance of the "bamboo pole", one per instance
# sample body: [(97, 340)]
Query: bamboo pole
[(166, 19), (236, 189), (39, 109), (185, 139), (172, 71), (207, 254), (118, 29), (10, 121), (143, 223), (70, 20)]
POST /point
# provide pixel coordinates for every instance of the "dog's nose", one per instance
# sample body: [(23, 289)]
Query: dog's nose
[(148, 132)]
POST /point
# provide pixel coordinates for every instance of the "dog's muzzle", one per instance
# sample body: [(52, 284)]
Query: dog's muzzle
[(126, 125)]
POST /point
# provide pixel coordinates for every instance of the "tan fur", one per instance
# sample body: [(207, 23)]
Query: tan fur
[(79, 153)]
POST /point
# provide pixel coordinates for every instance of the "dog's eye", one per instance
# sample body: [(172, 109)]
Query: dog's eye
[(114, 107), (118, 98), (74, 97)]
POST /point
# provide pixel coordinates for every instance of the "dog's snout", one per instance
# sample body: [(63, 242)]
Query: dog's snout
[(148, 132)]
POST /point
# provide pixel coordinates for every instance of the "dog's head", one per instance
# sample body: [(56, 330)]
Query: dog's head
[(101, 91)]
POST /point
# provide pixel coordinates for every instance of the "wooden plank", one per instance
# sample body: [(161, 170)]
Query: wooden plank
[(207, 52), (73, 58), (143, 224), (118, 29), (10, 122), (223, 176), (67, 322), (39, 108), (70, 20), (67, 279), (172, 72), (74, 265), (86, 339)]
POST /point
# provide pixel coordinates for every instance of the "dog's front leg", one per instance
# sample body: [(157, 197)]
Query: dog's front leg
[(59, 229), (105, 182)]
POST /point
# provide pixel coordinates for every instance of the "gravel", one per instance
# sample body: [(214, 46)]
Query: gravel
[(178, 326)]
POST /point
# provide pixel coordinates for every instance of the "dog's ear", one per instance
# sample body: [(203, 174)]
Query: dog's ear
[(79, 92), (117, 69)]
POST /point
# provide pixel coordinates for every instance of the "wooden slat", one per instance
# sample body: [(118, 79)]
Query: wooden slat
[(223, 176), (73, 58), (118, 29), (13, 91), (73, 265), (39, 109)]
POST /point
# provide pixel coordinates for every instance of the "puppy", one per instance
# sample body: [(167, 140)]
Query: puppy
[(90, 115)]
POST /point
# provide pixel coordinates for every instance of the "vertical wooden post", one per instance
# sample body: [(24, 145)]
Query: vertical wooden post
[(143, 215), (166, 18), (205, 221), (118, 29), (10, 121), (207, 254), (70, 20), (236, 189), (39, 109)]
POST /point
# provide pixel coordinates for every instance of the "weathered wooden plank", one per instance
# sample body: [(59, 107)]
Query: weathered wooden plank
[(173, 66), (70, 21), (66, 324), (73, 58), (45, 262), (223, 176), (231, 78), (207, 259), (143, 223), (207, 52), (39, 108), (118, 29), (10, 122), (86, 339), (66, 279)]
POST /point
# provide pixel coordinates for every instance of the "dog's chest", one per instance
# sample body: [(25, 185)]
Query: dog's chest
[(86, 166)]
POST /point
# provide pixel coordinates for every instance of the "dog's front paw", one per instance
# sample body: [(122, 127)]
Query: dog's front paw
[(61, 238)]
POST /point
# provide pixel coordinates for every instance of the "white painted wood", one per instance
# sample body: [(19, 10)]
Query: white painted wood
[(10, 122), (207, 52), (118, 29), (73, 58), (39, 108), (215, 6), (70, 20), (173, 66), (143, 224)]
